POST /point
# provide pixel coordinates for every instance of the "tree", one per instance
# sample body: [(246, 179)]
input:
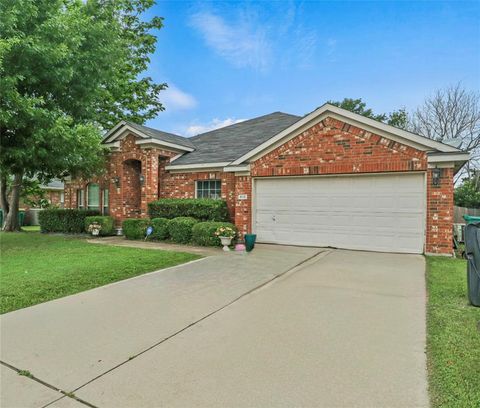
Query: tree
[(396, 118), (468, 193), (452, 115), (68, 70)]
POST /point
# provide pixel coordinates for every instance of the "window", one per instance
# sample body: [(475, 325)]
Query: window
[(209, 189), (93, 197), (62, 199), (105, 201), (80, 199)]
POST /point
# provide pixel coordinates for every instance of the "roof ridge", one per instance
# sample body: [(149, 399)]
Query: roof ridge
[(156, 130)]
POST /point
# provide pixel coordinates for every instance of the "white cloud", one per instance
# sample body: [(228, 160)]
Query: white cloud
[(243, 43), (193, 130), (257, 37), (175, 99)]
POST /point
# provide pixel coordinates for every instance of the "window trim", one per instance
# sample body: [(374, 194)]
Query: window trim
[(81, 199), (105, 190), (87, 206), (219, 181)]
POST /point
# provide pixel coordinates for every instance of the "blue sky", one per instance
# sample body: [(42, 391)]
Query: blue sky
[(229, 61)]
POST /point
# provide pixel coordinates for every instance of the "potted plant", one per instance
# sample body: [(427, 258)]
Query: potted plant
[(94, 229), (226, 234)]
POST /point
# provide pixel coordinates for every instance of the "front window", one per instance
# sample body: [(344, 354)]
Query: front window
[(62, 199), (105, 201), (93, 197), (209, 189), (80, 199)]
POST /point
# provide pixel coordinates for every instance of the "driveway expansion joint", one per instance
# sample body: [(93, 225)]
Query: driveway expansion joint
[(45, 384), (304, 262)]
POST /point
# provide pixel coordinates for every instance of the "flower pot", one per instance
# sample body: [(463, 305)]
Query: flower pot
[(250, 241), (226, 241)]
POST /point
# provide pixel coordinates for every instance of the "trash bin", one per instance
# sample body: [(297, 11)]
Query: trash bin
[(471, 218), (472, 251), (250, 241), (21, 217)]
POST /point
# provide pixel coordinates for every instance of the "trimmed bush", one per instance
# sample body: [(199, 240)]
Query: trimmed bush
[(134, 228), (105, 221), (203, 209), (70, 221), (160, 228), (203, 233), (180, 229)]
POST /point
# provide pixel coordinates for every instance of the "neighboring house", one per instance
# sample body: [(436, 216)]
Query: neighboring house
[(329, 178), (54, 195)]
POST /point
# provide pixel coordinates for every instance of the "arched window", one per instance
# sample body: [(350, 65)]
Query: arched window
[(93, 197)]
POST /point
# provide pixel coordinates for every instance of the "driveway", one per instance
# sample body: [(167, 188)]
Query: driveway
[(280, 327)]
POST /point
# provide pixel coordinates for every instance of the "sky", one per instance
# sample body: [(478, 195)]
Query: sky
[(226, 62)]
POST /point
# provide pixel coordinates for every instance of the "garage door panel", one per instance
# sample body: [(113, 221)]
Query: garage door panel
[(382, 213)]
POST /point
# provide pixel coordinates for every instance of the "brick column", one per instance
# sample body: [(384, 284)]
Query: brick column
[(243, 208), (440, 214)]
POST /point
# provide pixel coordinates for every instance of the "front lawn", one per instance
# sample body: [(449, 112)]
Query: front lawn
[(453, 336), (37, 267)]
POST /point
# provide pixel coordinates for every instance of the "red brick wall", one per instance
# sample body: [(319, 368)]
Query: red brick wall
[(182, 185), (243, 208), (333, 147), (440, 213)]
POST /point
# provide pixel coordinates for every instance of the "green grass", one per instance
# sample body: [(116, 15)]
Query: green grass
[(35, 268), (453, 336), (31, 228)]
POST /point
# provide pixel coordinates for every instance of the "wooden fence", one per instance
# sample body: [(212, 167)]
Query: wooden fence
[(459, 212)]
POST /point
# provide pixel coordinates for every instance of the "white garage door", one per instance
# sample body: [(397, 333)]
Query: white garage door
[(376, 213)]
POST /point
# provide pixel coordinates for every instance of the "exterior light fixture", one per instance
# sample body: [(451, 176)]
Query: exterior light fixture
[(436, 173), (116, 181), (142, 179)]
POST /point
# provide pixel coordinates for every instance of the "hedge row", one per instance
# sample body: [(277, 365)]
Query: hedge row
[(182, 230), (69, 221), (203, 209)]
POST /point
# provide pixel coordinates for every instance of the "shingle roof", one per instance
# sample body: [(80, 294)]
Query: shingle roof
[(231, 142), (55, 184), (166, 137)]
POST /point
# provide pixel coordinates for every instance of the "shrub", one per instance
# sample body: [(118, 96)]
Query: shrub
[(180, 229), (105, 222), (203, 209), (160, 228), (135, 228), (70, 221), (203, 233)]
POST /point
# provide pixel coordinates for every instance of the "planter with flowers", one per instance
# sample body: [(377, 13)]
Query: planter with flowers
[(226, 234), (94, 228)]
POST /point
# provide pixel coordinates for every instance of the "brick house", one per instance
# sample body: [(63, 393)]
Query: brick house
[(329, 178)]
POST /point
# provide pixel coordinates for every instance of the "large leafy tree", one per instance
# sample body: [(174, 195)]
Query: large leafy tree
[(68, 70), (467, 194)]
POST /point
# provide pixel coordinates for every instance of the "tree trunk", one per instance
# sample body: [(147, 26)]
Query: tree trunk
[(11, 220), (3, 196)]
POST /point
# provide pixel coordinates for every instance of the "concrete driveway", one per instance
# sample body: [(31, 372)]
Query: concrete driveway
[(280, 327)]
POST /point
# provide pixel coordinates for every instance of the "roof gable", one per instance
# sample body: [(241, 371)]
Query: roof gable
[(327, 110), (149, 135)]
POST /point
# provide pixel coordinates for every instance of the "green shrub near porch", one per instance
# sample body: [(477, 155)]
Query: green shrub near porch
[(106, 222), (203, 209), (134, 228), (180, 229), (160, 229), (203, 233), (70, 221)]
